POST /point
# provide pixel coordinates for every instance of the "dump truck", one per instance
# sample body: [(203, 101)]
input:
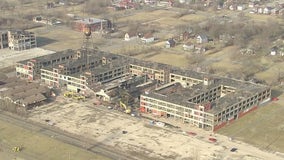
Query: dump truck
[(17, 148)]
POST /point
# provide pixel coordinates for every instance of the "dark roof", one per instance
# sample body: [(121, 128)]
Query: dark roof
[(202, 36), (33, 99), (148, 35), (23, 92), (171, 41)]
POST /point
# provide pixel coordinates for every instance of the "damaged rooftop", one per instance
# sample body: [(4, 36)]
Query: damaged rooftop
[(176, 93)]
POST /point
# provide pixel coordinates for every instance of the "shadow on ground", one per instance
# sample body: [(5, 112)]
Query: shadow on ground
[(276, 93), (42, 41)]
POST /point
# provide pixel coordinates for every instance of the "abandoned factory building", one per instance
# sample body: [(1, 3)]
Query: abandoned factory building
[(199, 99)]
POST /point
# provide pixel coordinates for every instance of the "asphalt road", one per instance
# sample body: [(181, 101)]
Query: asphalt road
[(75, 140)]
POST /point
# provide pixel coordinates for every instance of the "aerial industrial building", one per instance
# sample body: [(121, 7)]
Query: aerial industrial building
[(19, 95), (3, 39), (95, 24), (199, 99), (17, 40)]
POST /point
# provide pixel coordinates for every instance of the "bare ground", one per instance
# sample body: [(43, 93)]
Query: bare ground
[(106, 126)]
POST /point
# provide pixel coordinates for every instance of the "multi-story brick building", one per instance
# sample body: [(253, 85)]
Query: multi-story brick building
[(3, 39), (208, 104), (200, 99)]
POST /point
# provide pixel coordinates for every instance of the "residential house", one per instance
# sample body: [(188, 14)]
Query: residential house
[(149, 1), (184, 36), (273, 51), (62, 2), (251, 4), (260, 10), (277, 51), (188, 47), (275, 11), (49, 5), (241, 7), (220, 6), (199, 49), (170, 43), (130, 36), (148, 38), (253, 10), (201, 38), (267, 10), (232, 7), (170, 3), (280, 4)]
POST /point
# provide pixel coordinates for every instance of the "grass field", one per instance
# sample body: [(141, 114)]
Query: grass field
[(37, 146), (58, 38), (263, 128)]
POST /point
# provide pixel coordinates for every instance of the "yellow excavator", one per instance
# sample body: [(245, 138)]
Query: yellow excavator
[(125, 101), (126, 108)]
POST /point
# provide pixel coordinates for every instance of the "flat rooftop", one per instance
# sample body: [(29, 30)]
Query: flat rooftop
[(10, 57), (175, 93)]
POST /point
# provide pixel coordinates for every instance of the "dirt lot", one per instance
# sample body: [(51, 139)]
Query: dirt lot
[(106, 126)]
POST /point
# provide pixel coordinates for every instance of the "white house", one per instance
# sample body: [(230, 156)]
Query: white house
[(201, 38), (273, 52), (251, 4), (267, 10), (232, 7), (170, 43), (241, 7), (188, 47), (148, 38), (149, 1), (260, 10), (130, 36)]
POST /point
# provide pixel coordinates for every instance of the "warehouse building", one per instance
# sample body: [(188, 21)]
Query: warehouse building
[(94, 23)]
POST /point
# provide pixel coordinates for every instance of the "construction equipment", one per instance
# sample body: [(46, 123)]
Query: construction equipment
[(78, 97), (125, 100), (17, 148), (69, 94), (126, 108), (74, 96)]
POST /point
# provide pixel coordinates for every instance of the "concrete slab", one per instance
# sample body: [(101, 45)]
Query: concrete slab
[(9, 57)]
